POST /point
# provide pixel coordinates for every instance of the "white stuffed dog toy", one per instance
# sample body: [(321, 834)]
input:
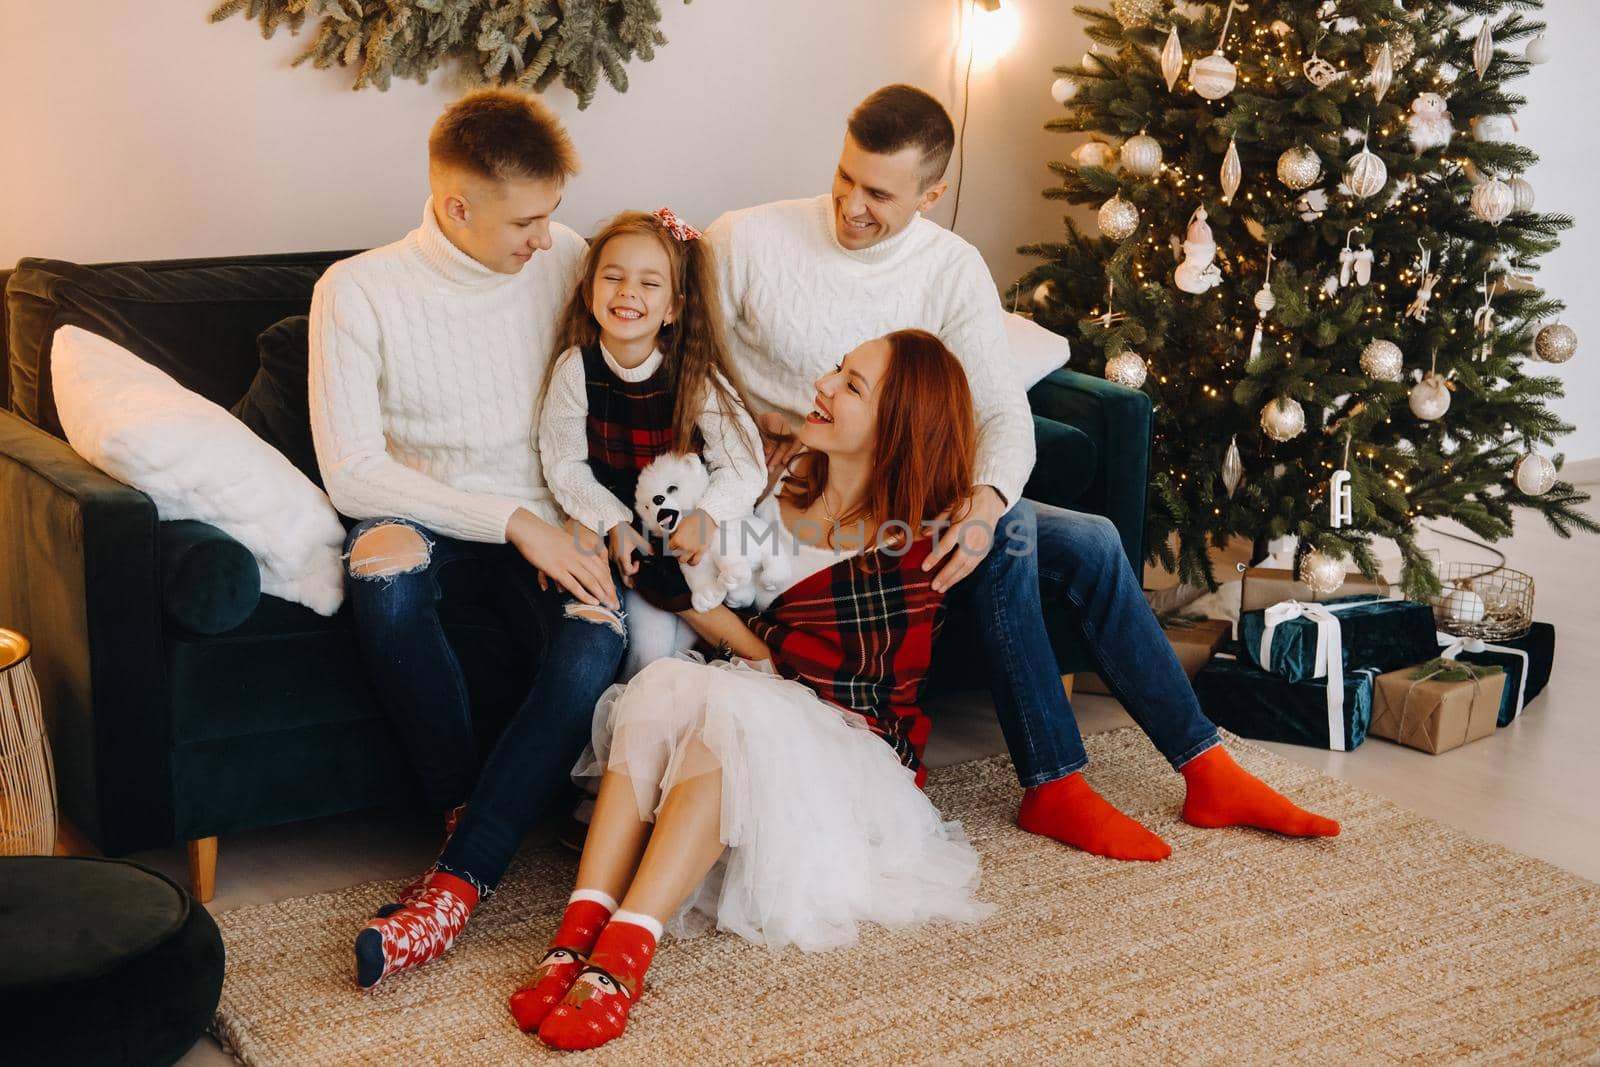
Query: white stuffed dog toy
[(742, 553)]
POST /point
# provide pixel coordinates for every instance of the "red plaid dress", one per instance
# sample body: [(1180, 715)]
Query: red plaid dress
[(629, 423), (860, 633)]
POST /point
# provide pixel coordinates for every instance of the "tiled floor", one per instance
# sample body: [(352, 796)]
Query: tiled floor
[(1532, 787)]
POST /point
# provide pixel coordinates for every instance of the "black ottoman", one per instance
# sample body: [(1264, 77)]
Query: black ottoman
[(101, 961)]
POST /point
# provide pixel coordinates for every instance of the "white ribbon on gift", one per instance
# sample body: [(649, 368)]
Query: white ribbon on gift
[(1327, 661), (1454, 646)]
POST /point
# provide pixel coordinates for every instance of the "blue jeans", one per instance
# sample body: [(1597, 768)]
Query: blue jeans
[(421, 685), (1045, 554)]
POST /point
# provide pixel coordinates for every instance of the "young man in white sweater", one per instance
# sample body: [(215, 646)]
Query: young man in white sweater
[(804, 281), (426, 358)]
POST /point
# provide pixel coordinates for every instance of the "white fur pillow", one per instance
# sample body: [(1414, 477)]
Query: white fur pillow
[(1035, 351), (196, 461)]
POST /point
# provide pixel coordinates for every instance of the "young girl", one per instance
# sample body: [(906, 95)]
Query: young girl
[(643, 371), (759, 795)]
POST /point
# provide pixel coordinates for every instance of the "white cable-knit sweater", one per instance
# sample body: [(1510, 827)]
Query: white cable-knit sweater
[(795, 301), (425, 368)]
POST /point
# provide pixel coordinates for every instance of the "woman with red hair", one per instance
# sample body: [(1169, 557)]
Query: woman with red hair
[(759, 795)]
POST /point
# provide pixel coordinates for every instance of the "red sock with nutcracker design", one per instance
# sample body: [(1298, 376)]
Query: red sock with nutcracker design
[(595, 1010), (588, 910)]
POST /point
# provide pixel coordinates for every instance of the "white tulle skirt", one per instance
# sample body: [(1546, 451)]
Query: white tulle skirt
[(824, 826)]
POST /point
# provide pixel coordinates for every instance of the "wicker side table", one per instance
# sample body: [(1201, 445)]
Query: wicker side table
[(27, 777)]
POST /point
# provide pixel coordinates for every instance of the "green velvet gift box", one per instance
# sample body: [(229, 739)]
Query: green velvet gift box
[(1251, 702), (1373, 632)]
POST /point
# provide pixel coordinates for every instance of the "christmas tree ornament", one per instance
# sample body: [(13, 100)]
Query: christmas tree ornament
[(1493, 128), (1430, 398), (1429, 123), (1136, 14), (1483, 322), (1095, 154), (1555, 343), (1126, 368), (1492, 201), (1281, 29), (1382, 75), (1090, 63), (1402, 46), (1172, 58), (1283, 419), (1353, 266), (1254, 228), (1319, 72), (1312, 204), (1483, 50), (1533, 474), (1365, 173), (1232, 467), (1198, 273), (1141, 155), (1214, 76), (1232, 172), (1043, 295), (1511, 279), (1341, 503), (1538, 51), (1118, 218), (1111, 316), (1062, 90), (1299, 168), (1383, 361), (1265, 302), (1521, 194), (1322, 573), (1426, 280)]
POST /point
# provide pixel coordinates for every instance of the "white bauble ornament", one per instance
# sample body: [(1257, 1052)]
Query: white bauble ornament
[(1299, 168), (1483, 50), (1043, 295), (1134, 14), (1062, 90), (1492, 201), (1264, 300), (1283, 419), (1383, 361), (1095, 154), (1312, 205), (1091, 63), (1521, 194), (1322, 573), (1118, 218), (1366, 174), (1429, 123), (1141, 155), (1555, 343), (1493, 128), (1232, 172), (1213, 76), (1232, 467), (1534, 474), (1430, 398), (1458, 606), (1126, 368), (1538, 51), (1172, 58)]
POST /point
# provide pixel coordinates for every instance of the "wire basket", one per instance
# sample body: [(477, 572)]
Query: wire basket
[(1484, 601)]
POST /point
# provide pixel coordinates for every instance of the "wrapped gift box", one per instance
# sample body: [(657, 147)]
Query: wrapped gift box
[(1437, 706), (1386, 634), (1194, 641), (1265, 586), (1253, 703), (1527, 662)]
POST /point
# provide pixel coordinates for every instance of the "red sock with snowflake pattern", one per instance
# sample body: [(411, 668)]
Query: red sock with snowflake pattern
[(413, 889), (1222, 793), (1070, 811), (418, 933), (595, 1010), (588, 910)]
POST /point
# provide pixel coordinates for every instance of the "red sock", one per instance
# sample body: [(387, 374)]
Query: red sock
[(413, 889), (558, 969), (418, 933), (595, 1009), (1222, 793), (1070, 811)]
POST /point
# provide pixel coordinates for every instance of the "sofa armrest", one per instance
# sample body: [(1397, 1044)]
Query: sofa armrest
[(1119, 421), (79, 575)]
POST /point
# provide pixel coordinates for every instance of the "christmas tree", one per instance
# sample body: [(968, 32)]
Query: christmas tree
[(1362, 152)]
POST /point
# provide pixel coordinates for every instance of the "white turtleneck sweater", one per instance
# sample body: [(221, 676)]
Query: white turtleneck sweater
[(425, 368), (795, 301)]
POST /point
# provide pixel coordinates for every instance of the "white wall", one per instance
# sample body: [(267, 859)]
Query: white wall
[(141, 131)]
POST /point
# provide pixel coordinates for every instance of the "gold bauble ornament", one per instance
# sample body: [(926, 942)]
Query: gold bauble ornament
[(1283, 419), (1383, 361), (1366, 174), (1118, 218), (1213, 76), (1299, 168), (1492, 201), (1555, 343), (1141, 155), (1321, 572), (1134, 14), (1430, 398), (1533, 474), (1126, 368)]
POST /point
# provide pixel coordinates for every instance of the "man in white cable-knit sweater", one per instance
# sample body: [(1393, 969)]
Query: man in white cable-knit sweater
[(425, 364), (805, 281)]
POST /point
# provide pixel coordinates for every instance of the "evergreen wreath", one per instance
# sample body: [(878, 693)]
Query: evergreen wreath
[(521, 44)]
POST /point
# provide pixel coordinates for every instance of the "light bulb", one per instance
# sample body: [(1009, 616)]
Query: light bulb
[(993, 32)]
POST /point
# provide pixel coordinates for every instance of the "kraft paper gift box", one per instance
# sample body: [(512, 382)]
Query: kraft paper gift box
[(1358, 631), (1194, 641), (1437, 706), (1527, 660), (1253, 703), (1265, 586)]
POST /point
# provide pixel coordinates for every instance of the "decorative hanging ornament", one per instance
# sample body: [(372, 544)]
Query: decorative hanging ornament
[(1365, 173), (1118, 218), (1538, 51), (1095, 154), (1555, 343), (1353, 266), (1141, 155), (1483, 50), (1382, 75), (1299, 168), (1430, 398), (1429, 123), (1493, 128), (1043, 295), (1533, 474), (1341, 501), (1383, 361), (1214, 76), (1265, 302), (1319, 72), (1126, 368), (1322, 573), (1062, 90), (1135, 14), (1426, 279), (1483, 321), (1492, 201), (1521, 194), (1232, 467), (1172, 58), (1402, 46), (1198, 273), (1281, 29), (1283, 419), (1232, 172)]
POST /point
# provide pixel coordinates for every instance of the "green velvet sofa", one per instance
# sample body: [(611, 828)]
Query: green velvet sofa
[(182, 704)]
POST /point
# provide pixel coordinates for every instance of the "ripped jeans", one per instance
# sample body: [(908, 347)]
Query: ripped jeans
[(422, 688)]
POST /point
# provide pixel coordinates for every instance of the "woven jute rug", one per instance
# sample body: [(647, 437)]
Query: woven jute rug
[(1401, 941)]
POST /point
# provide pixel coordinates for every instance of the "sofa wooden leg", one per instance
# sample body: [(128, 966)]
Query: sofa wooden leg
[(1066, 684), (203, 868)]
